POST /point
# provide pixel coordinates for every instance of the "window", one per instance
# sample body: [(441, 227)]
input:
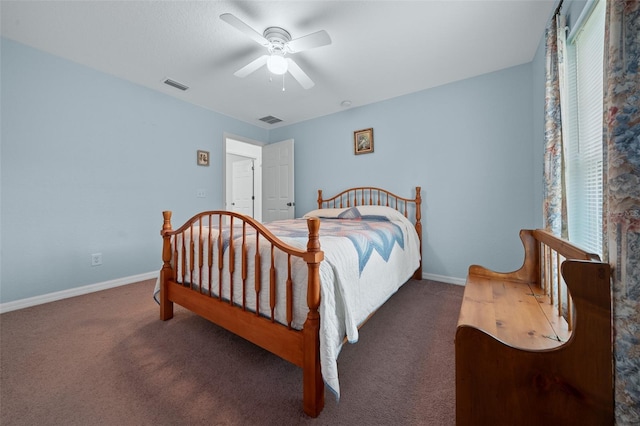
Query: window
[(583, 128)]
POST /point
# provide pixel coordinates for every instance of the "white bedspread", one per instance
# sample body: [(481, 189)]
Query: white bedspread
[(356, 277)]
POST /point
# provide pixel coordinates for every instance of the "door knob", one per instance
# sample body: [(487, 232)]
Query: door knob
[(291, 204)]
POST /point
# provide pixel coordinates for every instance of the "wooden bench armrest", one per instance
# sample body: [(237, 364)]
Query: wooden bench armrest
[(528, 272)]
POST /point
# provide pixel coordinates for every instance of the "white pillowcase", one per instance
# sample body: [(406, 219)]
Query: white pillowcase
[(328, 213), (388, 212)]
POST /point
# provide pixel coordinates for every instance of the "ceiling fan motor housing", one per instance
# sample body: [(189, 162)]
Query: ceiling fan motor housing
[(278, 37)]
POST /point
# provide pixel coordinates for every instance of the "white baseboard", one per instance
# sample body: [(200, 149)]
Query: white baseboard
[(444, 279), (72, 292)]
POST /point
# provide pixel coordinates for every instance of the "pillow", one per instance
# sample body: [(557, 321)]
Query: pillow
[(357, 213), (351, 213), (388, 212), (324, 213)]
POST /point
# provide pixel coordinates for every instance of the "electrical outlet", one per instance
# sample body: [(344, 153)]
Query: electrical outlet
[(201, 193), (96, 259)]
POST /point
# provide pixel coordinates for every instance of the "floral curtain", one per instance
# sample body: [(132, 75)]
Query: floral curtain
[(622, 196), (555, 210)]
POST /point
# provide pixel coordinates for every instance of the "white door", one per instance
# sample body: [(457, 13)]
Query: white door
[(277, 181), (238, 150), (242, 197)]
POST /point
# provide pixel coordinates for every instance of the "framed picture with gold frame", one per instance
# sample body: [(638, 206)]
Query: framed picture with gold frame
[(363, 141), (203, 158)]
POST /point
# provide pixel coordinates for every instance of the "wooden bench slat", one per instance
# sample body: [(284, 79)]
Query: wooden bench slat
[(557, 323), (509, 311), (478, 308)]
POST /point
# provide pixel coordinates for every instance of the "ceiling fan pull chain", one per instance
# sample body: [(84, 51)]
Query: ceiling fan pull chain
[(283, 82)]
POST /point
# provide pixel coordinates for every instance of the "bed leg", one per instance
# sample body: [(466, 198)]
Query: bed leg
[(313, 385), (166, 311), (166, 273), (166, 306), (417, 275)]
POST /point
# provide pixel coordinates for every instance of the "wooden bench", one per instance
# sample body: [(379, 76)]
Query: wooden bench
[(534, 346)]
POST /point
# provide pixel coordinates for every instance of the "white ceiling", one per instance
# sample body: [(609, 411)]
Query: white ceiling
[(379, 50)]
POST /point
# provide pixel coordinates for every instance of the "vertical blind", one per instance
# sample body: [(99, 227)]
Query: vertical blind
[(583, 125)]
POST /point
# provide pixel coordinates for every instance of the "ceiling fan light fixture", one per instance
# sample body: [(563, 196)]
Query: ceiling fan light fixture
[(277, 64), (278, 43)]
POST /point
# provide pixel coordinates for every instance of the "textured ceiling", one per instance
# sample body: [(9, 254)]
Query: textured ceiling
[(379, 50)]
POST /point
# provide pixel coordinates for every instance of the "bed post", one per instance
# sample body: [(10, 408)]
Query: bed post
[(418, 274), (319, 198), (166, 274), (313, 386)]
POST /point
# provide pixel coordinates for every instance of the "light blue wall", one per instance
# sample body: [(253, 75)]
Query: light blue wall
[(88, 163), (468, 144), (84, 161)]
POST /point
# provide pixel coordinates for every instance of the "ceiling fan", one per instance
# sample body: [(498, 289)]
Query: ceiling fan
[(278, 43)]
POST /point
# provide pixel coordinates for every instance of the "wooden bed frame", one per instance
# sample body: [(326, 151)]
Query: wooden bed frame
[(300, 347)]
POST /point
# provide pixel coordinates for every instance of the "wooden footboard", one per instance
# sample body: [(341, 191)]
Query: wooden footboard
[(195, 259)]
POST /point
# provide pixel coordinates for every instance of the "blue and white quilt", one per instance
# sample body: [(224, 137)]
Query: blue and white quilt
[(367, 233)]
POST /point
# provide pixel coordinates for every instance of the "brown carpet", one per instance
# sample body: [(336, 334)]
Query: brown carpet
[(106, 359)]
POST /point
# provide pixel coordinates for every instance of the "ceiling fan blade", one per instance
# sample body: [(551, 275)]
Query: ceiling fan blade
[(247, 30), (299, 75), (311, 41), (251, 67)]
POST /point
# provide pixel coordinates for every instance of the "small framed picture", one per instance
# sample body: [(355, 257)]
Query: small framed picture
[(203, 158), (363, 141)]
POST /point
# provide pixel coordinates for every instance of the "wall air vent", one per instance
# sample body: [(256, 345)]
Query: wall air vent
[(270, 119), (175, 84)]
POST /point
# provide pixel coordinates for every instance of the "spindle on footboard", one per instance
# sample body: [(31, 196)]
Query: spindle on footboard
[(372, 196)]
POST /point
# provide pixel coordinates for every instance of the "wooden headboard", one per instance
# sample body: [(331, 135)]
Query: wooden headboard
[(372, 196)]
